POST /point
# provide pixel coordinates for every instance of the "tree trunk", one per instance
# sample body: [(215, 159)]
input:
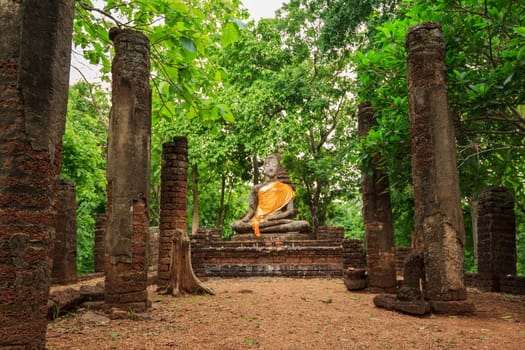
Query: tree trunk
[(474, 213), (315, 208), (255, 166), (195, 195), (182, 279), (220, 216)]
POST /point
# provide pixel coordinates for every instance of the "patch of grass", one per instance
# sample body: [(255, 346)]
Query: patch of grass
[(56, 311), (171, 326), (132, 315), (510, 298), (251, 342)]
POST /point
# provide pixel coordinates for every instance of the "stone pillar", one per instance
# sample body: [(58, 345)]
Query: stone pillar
[(438, 213), (153, 248), (377, 214), (35, 52), (98, 247), (496, 237), (173, 206), (128, 173), (65, 248)]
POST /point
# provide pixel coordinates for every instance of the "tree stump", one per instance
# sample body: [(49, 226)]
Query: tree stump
[(182, 279)]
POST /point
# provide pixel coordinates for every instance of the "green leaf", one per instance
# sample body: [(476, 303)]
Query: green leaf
[(519, 30), (188, 44), (230, 34)]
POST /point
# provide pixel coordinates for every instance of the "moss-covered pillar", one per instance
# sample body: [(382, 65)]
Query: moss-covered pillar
[(128, 173), (438, 213), (377, 214), (35, 53)]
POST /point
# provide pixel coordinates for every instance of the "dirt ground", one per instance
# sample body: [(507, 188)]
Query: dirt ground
[(282, 313)]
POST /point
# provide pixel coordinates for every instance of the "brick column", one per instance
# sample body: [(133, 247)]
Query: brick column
[(153, 249), (98, 247), (65, 248), (438, 213), (353, 255), (173, 206), (128, 173), (377, 214), (35, 52), (496, 237)]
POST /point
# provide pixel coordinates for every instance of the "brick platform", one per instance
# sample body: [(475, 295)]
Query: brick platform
[(291, 258)]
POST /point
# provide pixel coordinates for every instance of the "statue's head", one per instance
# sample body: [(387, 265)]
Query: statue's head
[(271, 166)]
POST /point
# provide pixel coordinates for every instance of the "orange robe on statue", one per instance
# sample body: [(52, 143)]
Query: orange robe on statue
[(271, 198)]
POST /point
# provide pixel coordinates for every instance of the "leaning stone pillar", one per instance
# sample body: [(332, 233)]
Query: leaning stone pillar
[(35, 52), (173, 206), (65, 248), (496, 237), (438, 214), (128, 173), (377, 215)]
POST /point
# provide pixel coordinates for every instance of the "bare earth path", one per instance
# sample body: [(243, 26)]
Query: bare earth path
[(281, 313)]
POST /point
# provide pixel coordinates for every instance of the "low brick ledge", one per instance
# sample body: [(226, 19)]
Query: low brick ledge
[(273, 270)]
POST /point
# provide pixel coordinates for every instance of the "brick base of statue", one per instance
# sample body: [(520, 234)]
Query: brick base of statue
[(274, 255)]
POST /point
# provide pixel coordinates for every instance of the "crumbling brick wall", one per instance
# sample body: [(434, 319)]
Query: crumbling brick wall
[(331, 233), (294, 258)]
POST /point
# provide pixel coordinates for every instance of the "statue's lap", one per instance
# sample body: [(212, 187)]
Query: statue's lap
[(275, 236)]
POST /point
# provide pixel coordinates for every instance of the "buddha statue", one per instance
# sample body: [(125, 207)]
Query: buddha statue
[(271, 207)]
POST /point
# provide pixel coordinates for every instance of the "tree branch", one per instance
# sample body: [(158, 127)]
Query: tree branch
[(89, 8)]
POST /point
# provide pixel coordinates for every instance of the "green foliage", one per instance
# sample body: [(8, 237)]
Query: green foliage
[(184, 35), (520, 243), (292, 84), (83, 161), (485, 61), (348, 215)]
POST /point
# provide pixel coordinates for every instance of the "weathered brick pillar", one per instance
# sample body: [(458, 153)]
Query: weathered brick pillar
[(128, 173), (377, 214), (438, 214), (35, 52), (496, 237), (173, 206), (98, 247), (353, 255), (65, 247), (153, 248)]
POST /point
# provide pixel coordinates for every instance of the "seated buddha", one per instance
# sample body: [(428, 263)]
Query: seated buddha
[(271, 205)]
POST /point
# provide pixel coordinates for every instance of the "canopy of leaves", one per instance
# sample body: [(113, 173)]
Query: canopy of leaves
[(292, 84), (485, 61)]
